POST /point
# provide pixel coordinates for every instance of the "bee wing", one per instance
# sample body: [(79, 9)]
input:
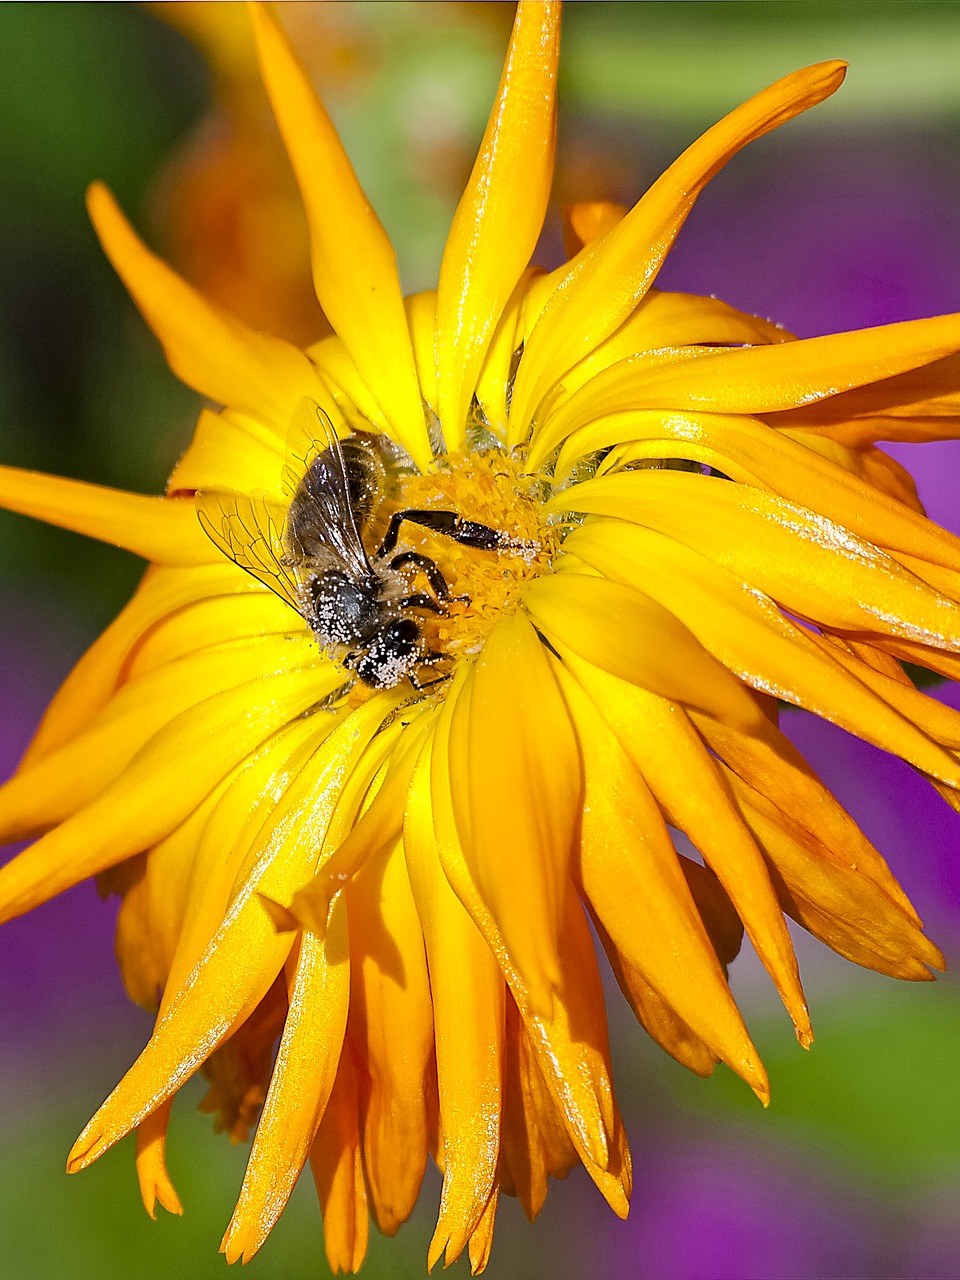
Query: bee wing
[(247, 529), (321, 525), (309, 435)]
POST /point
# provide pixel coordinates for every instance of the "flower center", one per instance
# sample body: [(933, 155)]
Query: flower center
[(493, 490)]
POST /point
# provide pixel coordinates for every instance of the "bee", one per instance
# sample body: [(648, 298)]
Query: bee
[(358, 603)]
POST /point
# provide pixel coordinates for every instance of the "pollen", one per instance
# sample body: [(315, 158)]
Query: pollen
[(495, 489)]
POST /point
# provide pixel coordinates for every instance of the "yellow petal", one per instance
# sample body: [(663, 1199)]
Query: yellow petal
[(615, 272), (498, 219), (632, 879), (206, 347), (245, 955), (379, 825), (937, 720), (660, 740), (807, 563), (922, 404), (43, 794), (658, 334), (300, 1087), (228, 828), (481, 1239), (165, 530), (516, 743), (468, 1005), (767, 379), (231, 625), (632, 636), (578, 1094), (181, 763), (152, 909), (752, 638), (163, 593), (354, 267), (421, 321), (750, 452), (574, 1057), (231, 450)]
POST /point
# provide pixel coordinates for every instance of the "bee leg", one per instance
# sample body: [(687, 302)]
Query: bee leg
[(427, 567), (468, 532), (428, 660), (420, 600)]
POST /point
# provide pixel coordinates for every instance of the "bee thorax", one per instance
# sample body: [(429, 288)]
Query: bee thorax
[(344, 612)]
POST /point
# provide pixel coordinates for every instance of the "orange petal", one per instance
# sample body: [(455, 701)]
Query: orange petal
[(498, 219), (337, 1167), (468, 1003), (152, 1173), (206, 347), (614, 273), (633, 881), (663, 744), (354, 267), (391, 1020), (535, 1141), (632, 636), (245, 955), (300, 1087)]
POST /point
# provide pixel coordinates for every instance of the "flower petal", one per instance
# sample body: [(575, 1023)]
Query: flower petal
[(770, 765), (614, 272), (468, 1004), (337, 1167), (206, 347), (164, 530), (46, 793), (535, 1141), (512, 739), (776, 377), (152, 1172), (391, 1019), (750, 452), (751, 637), (500, 214), (300, 1087), (242, 960), (182, 762), (632, 879), (354, 267), (632, 636), (91, 684), (660, 740), (807, 563)]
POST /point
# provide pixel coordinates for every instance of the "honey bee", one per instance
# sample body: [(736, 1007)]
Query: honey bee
[(358, 603)]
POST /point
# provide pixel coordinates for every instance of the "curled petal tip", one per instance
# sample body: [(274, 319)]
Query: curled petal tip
[(284, 920)]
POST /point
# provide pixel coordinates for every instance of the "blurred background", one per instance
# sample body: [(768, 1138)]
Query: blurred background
[(847, 217)]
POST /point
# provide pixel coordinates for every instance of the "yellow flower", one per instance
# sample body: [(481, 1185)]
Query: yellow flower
[(367, 799)]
